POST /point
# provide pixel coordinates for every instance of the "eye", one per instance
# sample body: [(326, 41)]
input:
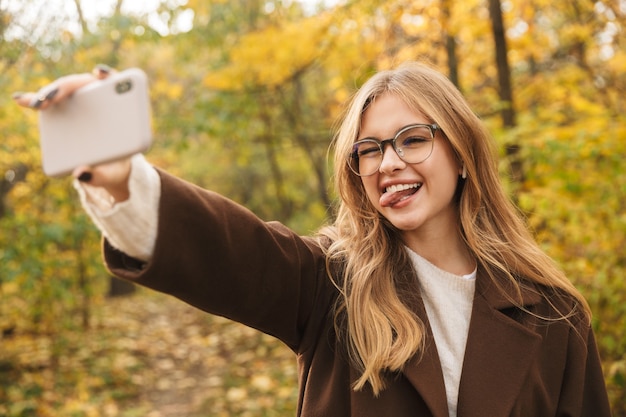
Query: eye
[(412, 141), (414, 137), (365, 149)]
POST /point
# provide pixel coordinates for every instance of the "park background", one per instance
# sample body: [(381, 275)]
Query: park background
[(245, 97)]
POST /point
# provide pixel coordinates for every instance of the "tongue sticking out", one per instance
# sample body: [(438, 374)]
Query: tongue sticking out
[(390, 198)]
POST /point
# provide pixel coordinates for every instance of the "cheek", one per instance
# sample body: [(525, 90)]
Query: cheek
[(447, 181), (371, 188), (445, 178), (446, 166)]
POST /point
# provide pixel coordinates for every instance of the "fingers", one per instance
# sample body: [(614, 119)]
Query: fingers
[(54, 92), (25, 99), (83, 174), (60, 89), (105, 174), (36, 100), (102, 71)]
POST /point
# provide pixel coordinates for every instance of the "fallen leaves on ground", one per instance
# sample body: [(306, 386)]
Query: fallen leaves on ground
[(148, 355)]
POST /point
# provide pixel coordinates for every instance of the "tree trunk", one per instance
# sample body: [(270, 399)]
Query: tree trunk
[(10, 178), (504, 87), (81, 17), (293, 111), (450, 44), (502, 63)]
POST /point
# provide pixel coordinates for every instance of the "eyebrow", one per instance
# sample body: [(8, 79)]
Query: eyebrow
[(394, 135)]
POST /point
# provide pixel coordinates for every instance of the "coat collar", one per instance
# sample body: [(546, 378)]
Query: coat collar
[(498, 354)]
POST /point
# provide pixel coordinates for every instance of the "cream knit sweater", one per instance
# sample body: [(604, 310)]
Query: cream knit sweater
[(130, 226)]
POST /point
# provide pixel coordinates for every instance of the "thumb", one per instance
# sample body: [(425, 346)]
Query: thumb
[(112, 176)]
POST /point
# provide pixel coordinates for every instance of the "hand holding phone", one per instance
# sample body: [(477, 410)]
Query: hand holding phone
[(105, 120)]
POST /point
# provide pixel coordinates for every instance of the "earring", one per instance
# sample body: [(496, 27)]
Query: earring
[(464, 174)]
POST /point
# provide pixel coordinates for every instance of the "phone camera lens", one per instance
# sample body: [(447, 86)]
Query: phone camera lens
[(123, 86)]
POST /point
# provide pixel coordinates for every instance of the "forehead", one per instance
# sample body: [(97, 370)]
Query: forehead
[(387, 114)]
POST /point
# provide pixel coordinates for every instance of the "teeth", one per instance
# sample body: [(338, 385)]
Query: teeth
[(401, 187)]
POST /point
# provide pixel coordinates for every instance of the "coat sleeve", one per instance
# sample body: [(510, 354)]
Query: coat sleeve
[(584, 390), (218, 256)]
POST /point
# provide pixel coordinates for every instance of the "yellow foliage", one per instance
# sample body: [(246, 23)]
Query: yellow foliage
[(167, 90), (270, 56), (617, 63), (570, 126)]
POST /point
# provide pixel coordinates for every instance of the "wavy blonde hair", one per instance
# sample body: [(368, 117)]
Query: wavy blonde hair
[(381, 331)]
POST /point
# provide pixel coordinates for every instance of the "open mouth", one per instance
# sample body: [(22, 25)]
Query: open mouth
[(397, 193), (403, 187)]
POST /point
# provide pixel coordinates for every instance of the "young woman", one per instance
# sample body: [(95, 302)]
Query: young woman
[(426, 297)]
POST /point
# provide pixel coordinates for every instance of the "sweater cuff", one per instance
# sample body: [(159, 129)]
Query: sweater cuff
[(129, 226)]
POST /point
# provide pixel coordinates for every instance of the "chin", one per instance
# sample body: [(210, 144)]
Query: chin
[(406, 226)]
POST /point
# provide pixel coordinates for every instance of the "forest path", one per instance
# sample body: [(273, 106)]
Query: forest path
[(148, 355)]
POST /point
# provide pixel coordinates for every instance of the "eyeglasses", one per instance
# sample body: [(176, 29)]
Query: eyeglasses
[(413, 144)]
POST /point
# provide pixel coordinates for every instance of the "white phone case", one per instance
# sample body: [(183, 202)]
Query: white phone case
[(103, 121)]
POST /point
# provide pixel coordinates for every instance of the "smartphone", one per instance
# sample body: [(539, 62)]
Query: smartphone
[(103, 121)]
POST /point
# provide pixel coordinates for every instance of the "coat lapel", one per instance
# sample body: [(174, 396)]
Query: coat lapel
[(424, 372), (498, 354)]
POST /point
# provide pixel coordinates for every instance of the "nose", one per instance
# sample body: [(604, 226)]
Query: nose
[(391, 161)]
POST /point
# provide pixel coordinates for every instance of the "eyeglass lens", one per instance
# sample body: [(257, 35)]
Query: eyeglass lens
[(413, 145)]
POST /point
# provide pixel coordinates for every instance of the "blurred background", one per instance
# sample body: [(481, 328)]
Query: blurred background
[(245, 96)]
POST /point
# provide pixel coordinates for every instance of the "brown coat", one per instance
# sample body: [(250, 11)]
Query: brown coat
[(219, 257)]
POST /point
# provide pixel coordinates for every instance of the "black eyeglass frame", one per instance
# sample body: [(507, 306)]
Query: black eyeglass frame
[(433, 128)]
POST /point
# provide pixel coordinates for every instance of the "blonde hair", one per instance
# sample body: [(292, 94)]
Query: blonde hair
[(382, 333)]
